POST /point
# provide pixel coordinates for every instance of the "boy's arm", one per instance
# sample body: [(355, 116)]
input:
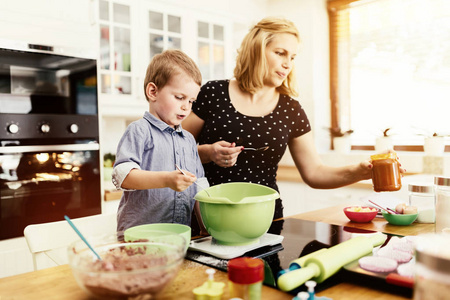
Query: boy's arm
[(141, 180)]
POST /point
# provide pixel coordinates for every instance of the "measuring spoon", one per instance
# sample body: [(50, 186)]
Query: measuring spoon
[(257, 149)]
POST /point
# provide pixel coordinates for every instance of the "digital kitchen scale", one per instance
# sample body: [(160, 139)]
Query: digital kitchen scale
[(210, 246)]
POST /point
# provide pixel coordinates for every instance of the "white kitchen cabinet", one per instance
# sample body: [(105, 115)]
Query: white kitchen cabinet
[(114, 62), (148, 27), (118, 41), (131, 32), (161, 27), (63, 23), (197, 32)]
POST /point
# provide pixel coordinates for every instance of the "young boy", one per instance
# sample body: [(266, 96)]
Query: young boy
[(154, 191)]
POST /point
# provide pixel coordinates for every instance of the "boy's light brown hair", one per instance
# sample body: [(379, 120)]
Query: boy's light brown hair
[(164, 65), (251, 66)]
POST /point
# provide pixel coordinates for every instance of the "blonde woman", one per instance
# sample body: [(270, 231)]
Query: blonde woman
[(257, 109)]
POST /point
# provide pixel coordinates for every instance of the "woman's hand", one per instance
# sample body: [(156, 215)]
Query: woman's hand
[(402, 170), (224, 154), (365, 170), (366, 166)]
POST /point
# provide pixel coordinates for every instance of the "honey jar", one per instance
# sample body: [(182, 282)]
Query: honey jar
[(386, 172)]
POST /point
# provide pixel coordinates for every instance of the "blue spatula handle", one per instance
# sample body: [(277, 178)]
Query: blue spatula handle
[(81, 236)]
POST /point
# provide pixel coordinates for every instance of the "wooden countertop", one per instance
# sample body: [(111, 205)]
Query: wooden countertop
[(59, 283)]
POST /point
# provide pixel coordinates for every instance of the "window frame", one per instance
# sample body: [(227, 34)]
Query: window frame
[(336, 89), (211, 41)]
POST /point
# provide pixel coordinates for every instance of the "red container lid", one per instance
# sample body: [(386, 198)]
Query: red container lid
[(246, 270)]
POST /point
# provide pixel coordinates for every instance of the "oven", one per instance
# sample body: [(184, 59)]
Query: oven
[(49, 136)]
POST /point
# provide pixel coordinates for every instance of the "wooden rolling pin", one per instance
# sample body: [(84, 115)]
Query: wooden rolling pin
[(322, 264)]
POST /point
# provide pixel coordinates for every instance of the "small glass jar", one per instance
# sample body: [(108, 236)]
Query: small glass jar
[(245, 278), (442, 185), (421, 195), (386, 173)]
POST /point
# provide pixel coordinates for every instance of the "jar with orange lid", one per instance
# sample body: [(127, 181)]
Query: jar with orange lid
[(386, 172)]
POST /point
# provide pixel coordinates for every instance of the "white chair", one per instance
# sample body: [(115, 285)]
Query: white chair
[(48, 242)]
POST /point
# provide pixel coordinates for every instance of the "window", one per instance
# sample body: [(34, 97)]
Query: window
[(115, 48), (164, 32), (390, 68), (211, 50)]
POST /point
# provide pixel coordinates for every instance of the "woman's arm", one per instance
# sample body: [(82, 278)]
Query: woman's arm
[(318, 175), (194, 125), (221, 153)]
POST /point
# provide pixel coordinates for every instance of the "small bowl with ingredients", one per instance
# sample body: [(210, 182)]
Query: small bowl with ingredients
[(406, 215), (360, 214), (126, 269)]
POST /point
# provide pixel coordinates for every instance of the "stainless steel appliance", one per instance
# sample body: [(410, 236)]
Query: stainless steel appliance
[(49, 136)]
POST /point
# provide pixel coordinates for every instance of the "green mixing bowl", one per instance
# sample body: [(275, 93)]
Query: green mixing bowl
[(237, 213), (399, 219), (143, 232)]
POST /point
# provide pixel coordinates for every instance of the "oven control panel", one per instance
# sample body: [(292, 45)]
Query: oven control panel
[(16, 126)]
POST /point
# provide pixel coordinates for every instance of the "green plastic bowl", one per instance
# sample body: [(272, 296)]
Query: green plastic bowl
[(146, 231), (399, 219), (237, 213)]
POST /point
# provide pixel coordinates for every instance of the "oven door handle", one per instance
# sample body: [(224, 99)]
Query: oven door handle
[(47, 148)]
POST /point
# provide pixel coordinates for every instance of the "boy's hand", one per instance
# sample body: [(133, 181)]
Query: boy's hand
[(180, 182)]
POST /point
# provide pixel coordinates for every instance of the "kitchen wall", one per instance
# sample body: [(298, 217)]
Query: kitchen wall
[(312, 62)]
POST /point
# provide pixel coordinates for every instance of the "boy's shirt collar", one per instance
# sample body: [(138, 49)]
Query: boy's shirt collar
[(162, 125)]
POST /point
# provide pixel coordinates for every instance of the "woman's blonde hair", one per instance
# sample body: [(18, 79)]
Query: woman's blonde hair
[(164, 65), (251, 66)]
